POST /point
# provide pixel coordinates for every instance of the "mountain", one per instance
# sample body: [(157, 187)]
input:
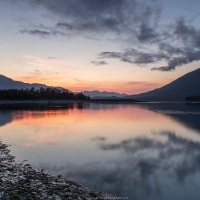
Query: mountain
[(104, 94), (178, 90), (8, 83)]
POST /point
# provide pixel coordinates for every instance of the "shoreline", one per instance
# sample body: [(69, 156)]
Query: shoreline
[(21, 181), (66, 102)]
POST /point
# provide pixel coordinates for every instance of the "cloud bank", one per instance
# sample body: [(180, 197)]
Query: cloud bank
[(139, 22)]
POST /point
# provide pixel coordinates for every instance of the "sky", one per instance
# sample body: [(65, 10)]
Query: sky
[(126, 46)]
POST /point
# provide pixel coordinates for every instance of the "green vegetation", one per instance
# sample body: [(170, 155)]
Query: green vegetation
[(41, 94), (193, 98)]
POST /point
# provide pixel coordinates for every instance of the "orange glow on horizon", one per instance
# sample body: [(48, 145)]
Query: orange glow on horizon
[(109, 86)]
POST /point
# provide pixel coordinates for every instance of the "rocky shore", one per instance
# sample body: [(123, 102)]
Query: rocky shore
[(21, 181)]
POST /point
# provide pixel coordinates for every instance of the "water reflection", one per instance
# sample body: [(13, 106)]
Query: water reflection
[(5, 118), (145, 169), (12, 112), (186, 113), (186, 153), (146, 151)]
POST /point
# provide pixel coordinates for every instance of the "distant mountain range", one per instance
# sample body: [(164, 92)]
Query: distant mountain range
[(178, 90), (104, 94), (8, 83)]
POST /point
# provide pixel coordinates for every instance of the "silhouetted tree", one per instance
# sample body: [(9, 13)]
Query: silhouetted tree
[(40, 94)]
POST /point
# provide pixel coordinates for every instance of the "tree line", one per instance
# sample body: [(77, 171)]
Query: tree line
[(41, 94)]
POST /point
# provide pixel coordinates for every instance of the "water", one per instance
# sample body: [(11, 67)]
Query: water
[(139, 151)]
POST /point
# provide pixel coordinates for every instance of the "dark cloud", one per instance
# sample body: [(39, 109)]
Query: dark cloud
[(188, 34), (170, 50), (187, 57), (36, 32), (91, 26), (146, 33), (103, 16), (44, 32), (187, 50), (90, 15), (77, 27), (98, 63), (135, 56), (186, 53), (138, 22)]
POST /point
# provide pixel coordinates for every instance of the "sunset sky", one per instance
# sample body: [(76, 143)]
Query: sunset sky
[(129, 46)]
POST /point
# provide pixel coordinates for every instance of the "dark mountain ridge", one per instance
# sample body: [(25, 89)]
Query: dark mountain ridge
[(177, 90), (103, 94), (8, 83)]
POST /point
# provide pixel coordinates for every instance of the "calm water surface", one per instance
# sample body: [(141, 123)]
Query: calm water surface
[(141, 151)]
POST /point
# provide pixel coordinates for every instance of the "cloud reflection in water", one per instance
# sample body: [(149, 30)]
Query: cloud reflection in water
[(145, 168)]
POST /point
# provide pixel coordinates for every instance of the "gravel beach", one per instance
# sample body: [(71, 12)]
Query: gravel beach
[(21, 181)]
